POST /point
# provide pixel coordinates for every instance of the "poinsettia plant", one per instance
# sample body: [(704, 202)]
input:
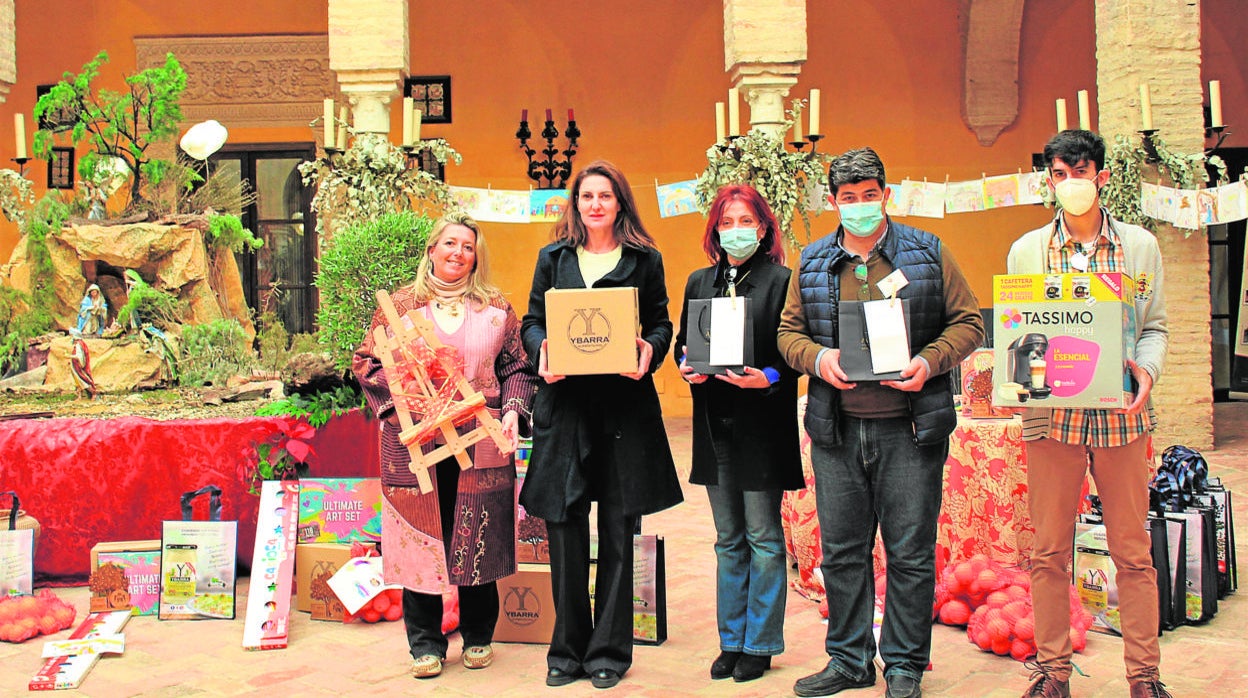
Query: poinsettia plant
[(284, 454)]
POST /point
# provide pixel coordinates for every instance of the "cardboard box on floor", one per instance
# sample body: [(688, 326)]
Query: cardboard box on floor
[(139, 561), (526, 606), (319, 561), (591, 330)]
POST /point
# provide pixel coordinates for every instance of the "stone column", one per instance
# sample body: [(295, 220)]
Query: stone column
[(368, 50), (764, 49), (1158, 42), (8, 50)]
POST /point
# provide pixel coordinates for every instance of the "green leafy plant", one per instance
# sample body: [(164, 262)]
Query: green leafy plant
[(148, 304), (17, 326), (214, 351), (318, 407), (121, 125), (372, 178), (304, 343), (44, 221), (1128, 163), (358, 261), (273, 341), (759, 159), (284, 454), (226, 231)]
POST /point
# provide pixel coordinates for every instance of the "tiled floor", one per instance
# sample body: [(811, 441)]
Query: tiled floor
[(328, 659)]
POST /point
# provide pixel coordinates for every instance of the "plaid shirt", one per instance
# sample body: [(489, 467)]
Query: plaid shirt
[(1089, 427)]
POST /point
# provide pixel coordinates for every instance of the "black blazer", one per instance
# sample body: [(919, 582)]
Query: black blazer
[(631, 429), (764, 450)]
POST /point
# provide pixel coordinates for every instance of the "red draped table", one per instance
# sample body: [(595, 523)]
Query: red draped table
[(92, 480)]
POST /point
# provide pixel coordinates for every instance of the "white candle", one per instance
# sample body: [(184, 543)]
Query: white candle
[(407, 120), (328, 122), (416, 119), (797, 129), (814, 113), (1146, 108), (721, 126), (1085, 112), (343, 115), (734, 113), (1215, 103), (19, 127), (1061, 115)]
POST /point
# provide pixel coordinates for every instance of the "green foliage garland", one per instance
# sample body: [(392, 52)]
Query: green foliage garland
[(17, 196), (318, 408), (759, 159), (372, 178), (357, 261), (1126, 160)]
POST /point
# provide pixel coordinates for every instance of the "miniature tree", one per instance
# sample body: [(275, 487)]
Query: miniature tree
[(121, 125), (532, 531)]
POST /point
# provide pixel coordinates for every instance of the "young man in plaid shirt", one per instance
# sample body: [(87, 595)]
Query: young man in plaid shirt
[(1062, 444)]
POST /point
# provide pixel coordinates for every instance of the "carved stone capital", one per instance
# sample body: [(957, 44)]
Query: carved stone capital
[(370, 93), (765, 87)]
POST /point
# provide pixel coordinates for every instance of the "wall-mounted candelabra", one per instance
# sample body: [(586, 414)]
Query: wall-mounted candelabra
[(550, 167)]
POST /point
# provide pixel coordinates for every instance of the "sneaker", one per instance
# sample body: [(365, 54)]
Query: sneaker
[(427, 666), (830, 681), (478, 657), (900, 686), (1046, 685), (723, 665), (1149, 688)]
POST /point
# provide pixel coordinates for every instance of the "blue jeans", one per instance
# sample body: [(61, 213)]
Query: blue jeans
[(879, 476), (751, 581)]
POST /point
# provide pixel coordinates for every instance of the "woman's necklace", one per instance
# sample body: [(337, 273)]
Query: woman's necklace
[(451, 308)]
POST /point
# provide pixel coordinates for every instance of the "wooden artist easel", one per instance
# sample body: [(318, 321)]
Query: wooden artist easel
[(411, 358)]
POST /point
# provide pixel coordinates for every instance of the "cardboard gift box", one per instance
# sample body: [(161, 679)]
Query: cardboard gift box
[(315, 564), (591, 330), (711, 335), (138, 584), (1063, 340), (526, 606), (339, 510)]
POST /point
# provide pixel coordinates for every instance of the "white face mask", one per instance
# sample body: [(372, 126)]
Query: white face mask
[(1076, 196)]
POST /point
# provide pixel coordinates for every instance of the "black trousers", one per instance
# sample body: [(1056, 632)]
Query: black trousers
[(605, 640), (478, 605)]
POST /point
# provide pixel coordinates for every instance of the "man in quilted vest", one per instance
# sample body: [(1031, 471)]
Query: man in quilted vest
[(878, 446)]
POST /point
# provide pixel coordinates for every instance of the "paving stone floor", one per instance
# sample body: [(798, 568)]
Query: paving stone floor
[(167, 659)]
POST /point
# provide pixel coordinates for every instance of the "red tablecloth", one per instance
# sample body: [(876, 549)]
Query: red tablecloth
[(92, 480)]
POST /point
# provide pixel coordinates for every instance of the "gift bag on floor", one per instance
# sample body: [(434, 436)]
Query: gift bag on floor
[(1200, 598), (1173, 613), (1218, 499), (649, 590), (197, 562), (17, 553)]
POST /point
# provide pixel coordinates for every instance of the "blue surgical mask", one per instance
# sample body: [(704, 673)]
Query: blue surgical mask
[(863, 218), (739, 243)]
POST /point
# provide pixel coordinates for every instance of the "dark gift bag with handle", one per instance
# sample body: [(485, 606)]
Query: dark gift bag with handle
[(197, 562)]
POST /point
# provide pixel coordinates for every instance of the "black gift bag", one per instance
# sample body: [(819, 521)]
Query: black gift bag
[(698, 338)]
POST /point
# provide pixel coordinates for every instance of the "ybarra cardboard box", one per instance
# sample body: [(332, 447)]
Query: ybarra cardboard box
[(526, 606), (339, 510), (591, 330), (1063, 340), (315, 563)]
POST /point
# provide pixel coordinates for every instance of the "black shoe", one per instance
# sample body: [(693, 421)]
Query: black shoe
[(750, 667), (723, 665), (830, 681), (604, 678), (560, 677), (903, 687)]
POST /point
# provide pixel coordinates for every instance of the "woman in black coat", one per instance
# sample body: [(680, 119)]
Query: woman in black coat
[(597, 437), (745, 439)]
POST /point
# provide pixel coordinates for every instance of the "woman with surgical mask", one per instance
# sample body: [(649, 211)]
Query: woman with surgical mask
[(745, 441)]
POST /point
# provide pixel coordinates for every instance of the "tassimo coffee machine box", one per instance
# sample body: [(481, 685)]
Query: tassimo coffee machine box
[(1063, 340)]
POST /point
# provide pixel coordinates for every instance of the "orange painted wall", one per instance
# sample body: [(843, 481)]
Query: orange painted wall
[(643, 77)]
